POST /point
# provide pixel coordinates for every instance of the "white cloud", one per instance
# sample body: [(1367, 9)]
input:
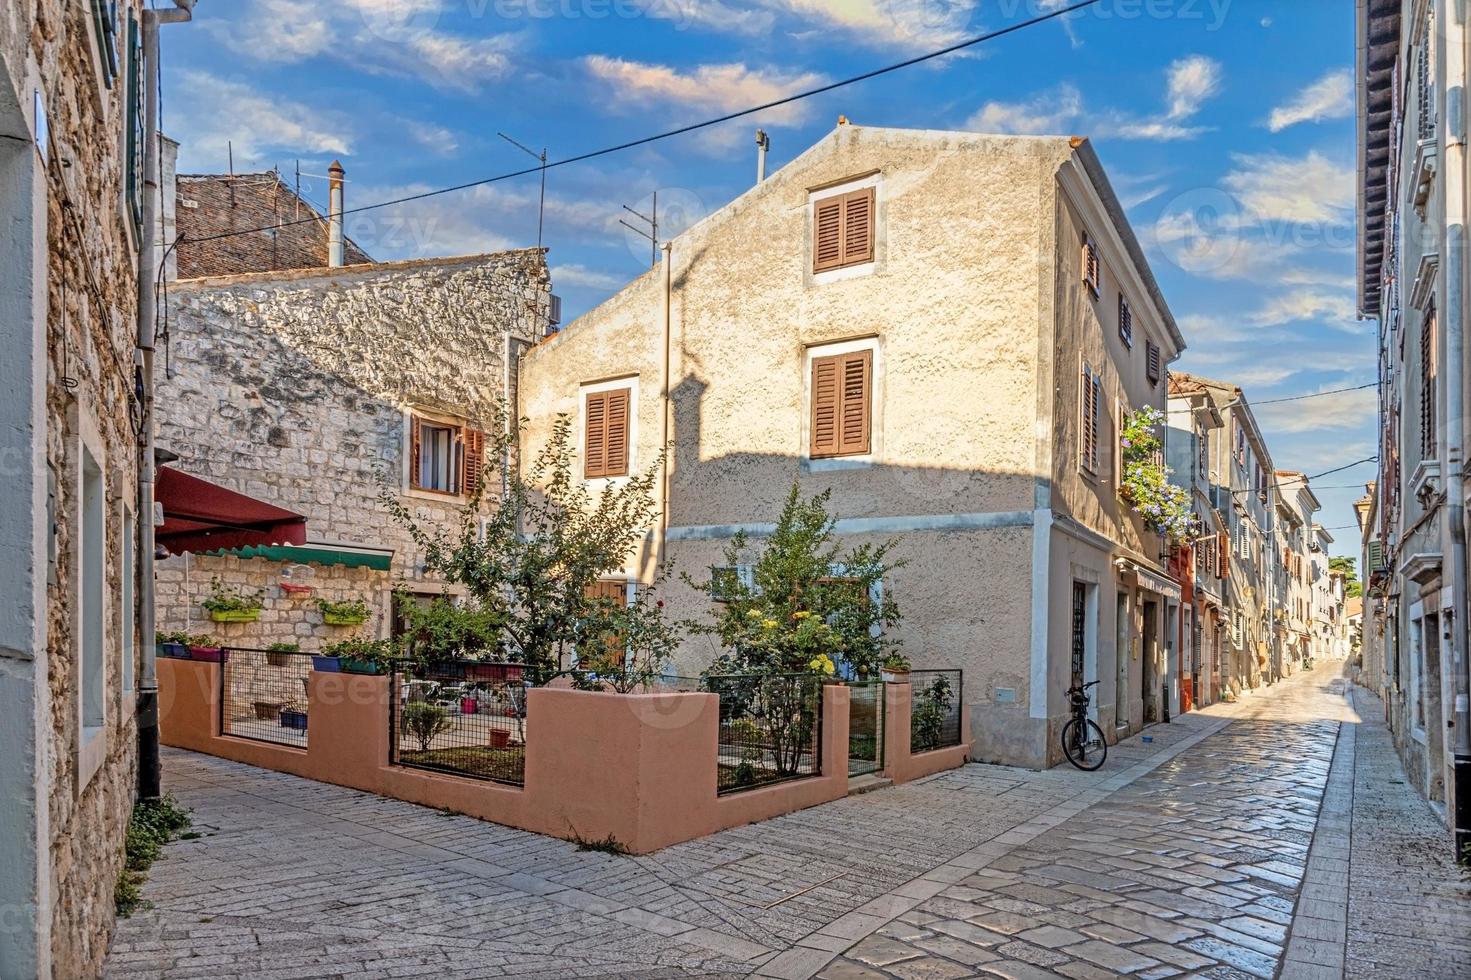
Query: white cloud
[(401, 38), (1303, 305), (1301, 190), (1190, 82), (1343, 410), (721, 88), (432, 136), (905, 24), (221, 115), (574, 274), (1330, 97)]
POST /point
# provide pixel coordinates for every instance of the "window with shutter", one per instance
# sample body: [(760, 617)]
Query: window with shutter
[(843, 230), (1092, 274), (842, 399), (1126, 322), (612, 590), (474, 459), (1152, 368), (606, 433), (1090, 404), (136, 140), (1428, 442), (437, 455)]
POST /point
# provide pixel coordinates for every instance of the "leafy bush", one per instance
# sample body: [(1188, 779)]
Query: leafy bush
[(425, 722), (154, 823), (282, 647), (625, 647), (927, 723), (187, 639), (354, 608), (227, 598), (380, 653), (1146, 484), (443, 630)]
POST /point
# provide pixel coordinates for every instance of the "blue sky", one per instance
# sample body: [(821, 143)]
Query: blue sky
[(1226, 126)]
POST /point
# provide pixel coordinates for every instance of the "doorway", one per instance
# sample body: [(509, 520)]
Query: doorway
[(1122, 646), (1149, 675)]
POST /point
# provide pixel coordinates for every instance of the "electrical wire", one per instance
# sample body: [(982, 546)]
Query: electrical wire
[(1316, 394), (1313, 476), (692, 127)]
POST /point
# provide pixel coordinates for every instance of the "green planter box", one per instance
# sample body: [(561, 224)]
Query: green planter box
[(234, 615), (343, 619), (351, 665)]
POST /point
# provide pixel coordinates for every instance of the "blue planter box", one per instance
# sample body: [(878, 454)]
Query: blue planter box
[(327, 665), (293, 719), (174, 651)]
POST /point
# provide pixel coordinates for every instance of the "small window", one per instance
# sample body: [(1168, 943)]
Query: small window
[(104, 30), (605, 439), (842, 405), (128, 626), (1126, 322), (445, 457), (1092, 274), (1152, 367), (728, 581), (91, 682), (1090, 395), (843, 230)]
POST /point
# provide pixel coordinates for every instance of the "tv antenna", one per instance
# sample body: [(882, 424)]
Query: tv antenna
[(542, 156), (652, 234)]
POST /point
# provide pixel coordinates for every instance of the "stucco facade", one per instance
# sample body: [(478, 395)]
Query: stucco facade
[(299, 388), (976, 324)]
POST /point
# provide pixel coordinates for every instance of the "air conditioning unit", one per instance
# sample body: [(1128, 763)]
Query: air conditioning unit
[(555, 317)]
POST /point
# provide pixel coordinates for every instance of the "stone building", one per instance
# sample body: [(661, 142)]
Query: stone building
[(314, 390), (1298, 542), (73, 130), (992, 318), (1412, 279)]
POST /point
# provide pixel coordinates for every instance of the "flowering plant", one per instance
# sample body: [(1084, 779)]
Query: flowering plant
[(1146, 484)]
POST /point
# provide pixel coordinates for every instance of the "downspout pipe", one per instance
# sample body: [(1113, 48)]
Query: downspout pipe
[(666, 324), (1454, 30), (150, 773)]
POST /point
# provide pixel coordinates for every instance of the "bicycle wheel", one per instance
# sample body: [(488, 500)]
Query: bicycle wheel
[(1084, 746)]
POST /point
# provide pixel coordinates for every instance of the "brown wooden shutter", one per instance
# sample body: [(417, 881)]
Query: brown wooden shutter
[(858, 227), (595, 439), (1088, 421), (616, 447), (825, 402), (1151, 362), (474, 459), (853, 433), (1223, 555), (1126, 322), (842, 404), (827, 234), (414, 452), (609, 589), (1097, 418)]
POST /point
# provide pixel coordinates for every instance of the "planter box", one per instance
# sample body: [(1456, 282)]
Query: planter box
[(895, 676), (344, 619), (327, 665), (352, 665), (469, 706), (278, 659), (494, 672), (499, 738), (235, 615), (266, 710), (174, 651), (291, 718), (209, 655)]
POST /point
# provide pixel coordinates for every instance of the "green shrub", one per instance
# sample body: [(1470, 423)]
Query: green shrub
[(154, 823), (424, 722)]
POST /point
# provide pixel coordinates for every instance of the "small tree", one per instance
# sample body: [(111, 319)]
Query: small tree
[(809, 604), (626, 647), (533, 561), (444, 631), (425, 722), (1352, 587)]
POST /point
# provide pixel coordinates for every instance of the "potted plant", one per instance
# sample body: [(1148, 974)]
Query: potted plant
[(227, 604), (266, 710), (201, 648), (896, 669), (355, 655), (174, 645), (293, 715), (499, 738), (279, 654), (348, 612)]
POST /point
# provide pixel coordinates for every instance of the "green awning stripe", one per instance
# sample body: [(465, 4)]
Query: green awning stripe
[(380, 561)]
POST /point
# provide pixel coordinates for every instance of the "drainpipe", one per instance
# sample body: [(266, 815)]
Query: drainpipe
[(666, 324), (1456, 36), (149, 771), (334, 214)]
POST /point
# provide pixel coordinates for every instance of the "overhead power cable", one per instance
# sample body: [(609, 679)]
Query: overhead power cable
[(1315, 394), (1313, 476), (692, 127)]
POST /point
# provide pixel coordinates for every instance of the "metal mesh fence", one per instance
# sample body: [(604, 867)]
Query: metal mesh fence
[(934, 720), (865, 728), (463, 717), (770, 729), (263, 695)]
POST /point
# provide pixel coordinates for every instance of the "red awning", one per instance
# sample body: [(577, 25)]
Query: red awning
[(202, 516)]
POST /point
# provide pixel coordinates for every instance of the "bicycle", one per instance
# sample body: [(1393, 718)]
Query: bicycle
[(1082, 739)]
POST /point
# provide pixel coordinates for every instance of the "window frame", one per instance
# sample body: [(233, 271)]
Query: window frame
[(811, 355), (629, 382), (1091, 263), (1126, 321), (866, 184), (1090, 425), (90, 620)]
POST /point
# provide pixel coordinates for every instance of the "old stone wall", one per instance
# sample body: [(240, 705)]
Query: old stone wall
[(84, 777), (297, 388)]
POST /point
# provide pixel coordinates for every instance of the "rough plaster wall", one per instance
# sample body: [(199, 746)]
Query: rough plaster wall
[(292, 387), (91, 317)]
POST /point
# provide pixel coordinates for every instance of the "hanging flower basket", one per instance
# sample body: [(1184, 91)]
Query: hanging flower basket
[(344, 619), (347, 612), (234, 615)]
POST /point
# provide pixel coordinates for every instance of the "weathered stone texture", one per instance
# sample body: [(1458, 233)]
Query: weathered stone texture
[(91, 285), (294, 387)]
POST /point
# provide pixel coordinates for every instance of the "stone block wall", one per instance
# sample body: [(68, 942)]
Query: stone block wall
[(297, 387)]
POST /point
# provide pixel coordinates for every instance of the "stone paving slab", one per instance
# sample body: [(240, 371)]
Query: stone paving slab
[(1187, 855)]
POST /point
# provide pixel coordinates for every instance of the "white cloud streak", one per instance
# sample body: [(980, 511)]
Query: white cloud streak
[(1330, 97)]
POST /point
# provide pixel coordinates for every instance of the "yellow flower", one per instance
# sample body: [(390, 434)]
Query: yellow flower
[(801, 614), (823, 664), (753, 613), (769, 623)]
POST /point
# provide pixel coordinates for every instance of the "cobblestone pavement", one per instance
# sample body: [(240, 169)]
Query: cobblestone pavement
[(1186, 854)]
